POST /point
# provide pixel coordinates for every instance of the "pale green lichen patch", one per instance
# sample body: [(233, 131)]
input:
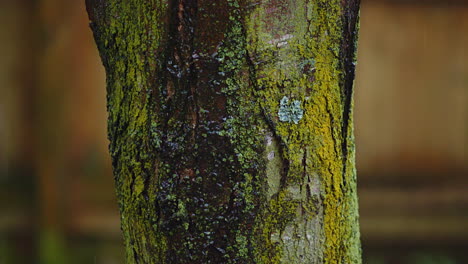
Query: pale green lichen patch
[(290, 112)]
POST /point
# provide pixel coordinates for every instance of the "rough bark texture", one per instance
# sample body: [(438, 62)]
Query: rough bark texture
[(230, 128)]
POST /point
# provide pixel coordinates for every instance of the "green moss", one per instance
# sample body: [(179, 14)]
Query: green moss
[(242, 127), (125, 32), (280, 212)]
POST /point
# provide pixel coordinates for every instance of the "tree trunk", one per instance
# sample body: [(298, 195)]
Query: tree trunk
[(230, 128)]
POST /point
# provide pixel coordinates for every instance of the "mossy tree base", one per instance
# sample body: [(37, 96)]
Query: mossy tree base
[(230, 128)]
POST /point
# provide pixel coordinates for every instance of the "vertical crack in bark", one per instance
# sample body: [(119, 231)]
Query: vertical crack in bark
[(283, 147), (135, 256), (348, 51), (305, 185)]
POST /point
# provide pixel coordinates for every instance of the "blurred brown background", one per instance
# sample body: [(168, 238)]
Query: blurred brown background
[(57, 201)]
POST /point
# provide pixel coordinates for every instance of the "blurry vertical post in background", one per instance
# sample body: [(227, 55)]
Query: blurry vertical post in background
[(231, 129), (412, 130), (54, 127)]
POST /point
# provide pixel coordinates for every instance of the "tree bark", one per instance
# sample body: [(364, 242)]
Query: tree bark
[(231, 129)]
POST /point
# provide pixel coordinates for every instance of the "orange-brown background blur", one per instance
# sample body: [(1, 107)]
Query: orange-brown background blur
[(57, 202)]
